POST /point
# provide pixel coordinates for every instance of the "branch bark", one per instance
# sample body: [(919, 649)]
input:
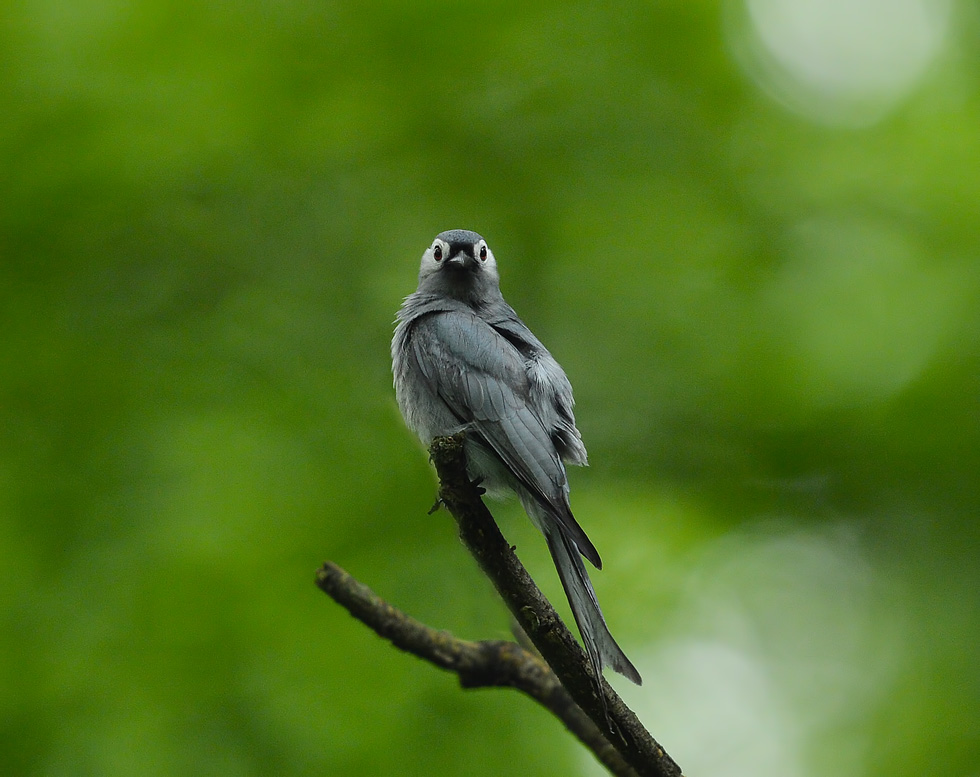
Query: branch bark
[(563, 682), (538, 618), (485, 664)]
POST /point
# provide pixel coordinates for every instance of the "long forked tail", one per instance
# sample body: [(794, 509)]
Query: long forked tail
[(599, 643)]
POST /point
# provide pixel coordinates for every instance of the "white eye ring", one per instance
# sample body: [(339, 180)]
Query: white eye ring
[(483, 252), (437, 252)]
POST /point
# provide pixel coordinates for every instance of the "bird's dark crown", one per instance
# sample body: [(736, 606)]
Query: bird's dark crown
[(460, 240)]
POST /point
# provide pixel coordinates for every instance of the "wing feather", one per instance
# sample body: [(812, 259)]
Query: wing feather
[(483, 379)]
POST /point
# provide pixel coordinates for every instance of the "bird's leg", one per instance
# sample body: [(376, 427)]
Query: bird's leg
[(476, 484)]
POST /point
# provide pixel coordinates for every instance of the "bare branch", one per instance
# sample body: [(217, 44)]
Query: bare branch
[(538, 618), (563, 682), (486, 664)]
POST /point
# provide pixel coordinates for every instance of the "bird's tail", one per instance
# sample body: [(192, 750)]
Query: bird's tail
[(599, 643)]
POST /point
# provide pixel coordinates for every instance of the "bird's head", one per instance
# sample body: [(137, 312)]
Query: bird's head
[(460, 264)]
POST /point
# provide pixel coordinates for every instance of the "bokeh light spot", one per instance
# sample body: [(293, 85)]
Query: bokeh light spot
[(838, 61)]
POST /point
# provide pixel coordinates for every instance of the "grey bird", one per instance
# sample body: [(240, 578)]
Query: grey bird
[(463, 360)]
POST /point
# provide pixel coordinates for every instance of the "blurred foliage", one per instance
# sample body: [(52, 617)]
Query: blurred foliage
[(209, 216)]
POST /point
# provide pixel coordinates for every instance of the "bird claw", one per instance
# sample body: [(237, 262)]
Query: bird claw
[(435, 508)]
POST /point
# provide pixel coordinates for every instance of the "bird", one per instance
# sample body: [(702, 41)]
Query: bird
[(463, 360)]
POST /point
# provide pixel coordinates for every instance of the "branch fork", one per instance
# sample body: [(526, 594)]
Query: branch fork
[(562, 681)]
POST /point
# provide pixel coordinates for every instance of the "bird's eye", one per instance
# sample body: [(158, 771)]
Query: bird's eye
[(437, 253), (483, 253)]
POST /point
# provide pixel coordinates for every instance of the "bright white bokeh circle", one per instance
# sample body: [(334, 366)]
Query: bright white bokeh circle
[(843, 61)]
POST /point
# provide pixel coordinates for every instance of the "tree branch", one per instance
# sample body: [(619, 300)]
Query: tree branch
[(538, 618), (565, 684), (486, 664)]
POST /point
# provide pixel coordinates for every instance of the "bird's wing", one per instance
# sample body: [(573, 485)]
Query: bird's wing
[(551, 391), (483, 378)]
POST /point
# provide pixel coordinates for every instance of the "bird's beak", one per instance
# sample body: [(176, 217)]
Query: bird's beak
[(461, 261)]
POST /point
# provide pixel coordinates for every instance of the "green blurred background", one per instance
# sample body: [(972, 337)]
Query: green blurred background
[(748, 230)]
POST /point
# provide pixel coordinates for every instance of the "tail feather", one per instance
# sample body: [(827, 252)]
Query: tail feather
[(599, 643)]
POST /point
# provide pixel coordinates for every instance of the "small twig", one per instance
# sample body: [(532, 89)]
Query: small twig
[(537, 617), (485, 664)]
